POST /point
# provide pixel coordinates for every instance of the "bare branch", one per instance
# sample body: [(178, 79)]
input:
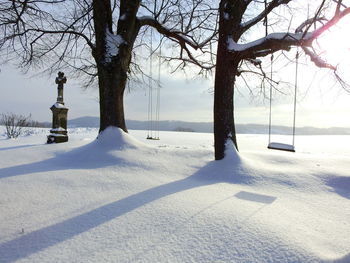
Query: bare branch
[(179, 36), (269, 8), (317, 60), (284, 41)]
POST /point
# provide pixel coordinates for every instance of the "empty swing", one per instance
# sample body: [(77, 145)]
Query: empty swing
[(153, 106), (277, 145)]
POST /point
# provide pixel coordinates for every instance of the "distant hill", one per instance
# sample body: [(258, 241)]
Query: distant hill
[(208, 127), (143, 125), (84, 122)]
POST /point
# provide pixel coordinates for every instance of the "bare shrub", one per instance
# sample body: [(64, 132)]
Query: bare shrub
[(15, 125)]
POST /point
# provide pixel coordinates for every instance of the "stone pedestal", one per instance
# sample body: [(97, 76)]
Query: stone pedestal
[(58, 133)]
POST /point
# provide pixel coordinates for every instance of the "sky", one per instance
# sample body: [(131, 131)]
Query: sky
[(321, 102)]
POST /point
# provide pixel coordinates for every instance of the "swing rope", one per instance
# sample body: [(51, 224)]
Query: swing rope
[(295, 93), (270, 115), (283, 146), (150, 91), (158, 92), (153, 104)]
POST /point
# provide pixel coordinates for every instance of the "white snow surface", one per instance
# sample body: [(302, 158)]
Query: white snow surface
[(122, 198)]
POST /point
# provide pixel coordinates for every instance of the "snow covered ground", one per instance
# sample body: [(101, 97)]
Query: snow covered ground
[(123, 198)]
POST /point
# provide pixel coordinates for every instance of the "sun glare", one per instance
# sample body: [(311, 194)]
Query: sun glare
[(335, 43)]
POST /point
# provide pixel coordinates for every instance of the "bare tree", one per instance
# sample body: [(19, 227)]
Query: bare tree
[(237, 19), (15, 125), (98, 38)]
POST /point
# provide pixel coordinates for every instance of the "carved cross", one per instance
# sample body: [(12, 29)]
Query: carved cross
[(60, 81)]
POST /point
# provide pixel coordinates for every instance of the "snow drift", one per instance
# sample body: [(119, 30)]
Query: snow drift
[(121, 199)]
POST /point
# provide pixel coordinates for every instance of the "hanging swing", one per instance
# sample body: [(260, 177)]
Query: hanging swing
[(153, 106), (277, 145)]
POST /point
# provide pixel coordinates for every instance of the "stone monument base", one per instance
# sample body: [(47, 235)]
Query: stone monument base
[(57, 136), (58, 133)]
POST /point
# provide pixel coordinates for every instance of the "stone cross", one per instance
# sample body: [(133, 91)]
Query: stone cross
[(58, 133), (60, 81)]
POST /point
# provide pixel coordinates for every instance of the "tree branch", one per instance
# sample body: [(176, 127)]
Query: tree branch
[(284, 41), (271, 6), (180, 37)]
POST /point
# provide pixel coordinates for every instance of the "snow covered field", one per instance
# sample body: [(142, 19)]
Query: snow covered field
[(123, 198)]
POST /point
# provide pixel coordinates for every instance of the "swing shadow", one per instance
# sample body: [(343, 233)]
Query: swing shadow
[(254, 197), (340, 185), (36, 241)]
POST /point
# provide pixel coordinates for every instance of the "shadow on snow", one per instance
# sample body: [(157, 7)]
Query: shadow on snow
[(38, 240)]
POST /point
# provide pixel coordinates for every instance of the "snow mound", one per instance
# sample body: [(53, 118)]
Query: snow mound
[(117, 199), (115, 138), (113, 146), (232, 169)]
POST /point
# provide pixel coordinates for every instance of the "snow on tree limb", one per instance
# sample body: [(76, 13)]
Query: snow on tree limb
[(112, 45), (317, 60), (285, 40), (273, 41)]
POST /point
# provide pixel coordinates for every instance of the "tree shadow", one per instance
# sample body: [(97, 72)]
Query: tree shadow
[(85, 157), (18, 147), (41, 239), (26, 244), (343, 259)]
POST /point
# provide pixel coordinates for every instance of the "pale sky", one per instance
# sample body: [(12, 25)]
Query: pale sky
[(319, 104), (320, 101)]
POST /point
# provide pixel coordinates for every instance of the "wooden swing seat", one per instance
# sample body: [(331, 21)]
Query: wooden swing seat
[(152, 138), (281, 146)]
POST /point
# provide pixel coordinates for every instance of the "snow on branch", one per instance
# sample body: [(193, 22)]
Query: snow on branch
[(284, 41), (317, 60), (273, 42), (112, 45)]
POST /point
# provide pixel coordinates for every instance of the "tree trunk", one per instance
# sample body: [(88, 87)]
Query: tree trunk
[(113, 56), (224, 124), (112, 82), (225, 76)]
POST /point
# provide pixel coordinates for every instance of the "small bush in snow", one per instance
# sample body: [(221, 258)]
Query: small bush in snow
[(15, 125)]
